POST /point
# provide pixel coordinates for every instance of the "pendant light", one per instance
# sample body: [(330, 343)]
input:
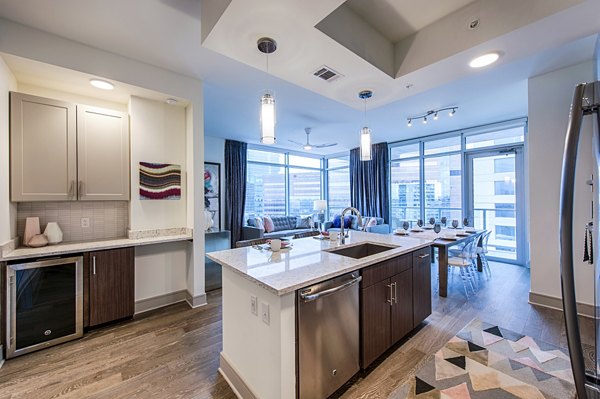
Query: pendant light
[(365, 132), (267, 46)]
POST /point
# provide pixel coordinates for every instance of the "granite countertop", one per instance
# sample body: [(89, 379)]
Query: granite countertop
[(136, 238), (308, 261)]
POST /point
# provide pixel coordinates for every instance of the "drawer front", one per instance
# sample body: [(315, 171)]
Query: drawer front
[(401, 263), (386, 269), (376, 273), (421, 254)]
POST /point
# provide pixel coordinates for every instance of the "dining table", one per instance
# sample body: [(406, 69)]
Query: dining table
[(446, 238)]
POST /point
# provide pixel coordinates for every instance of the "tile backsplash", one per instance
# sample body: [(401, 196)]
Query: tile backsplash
[(108, 219)]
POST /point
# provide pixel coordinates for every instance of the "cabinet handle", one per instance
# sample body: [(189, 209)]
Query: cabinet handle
[(94, 265), (395, 292), (71, 188), (391, 300), (423, 256), (80, 188)]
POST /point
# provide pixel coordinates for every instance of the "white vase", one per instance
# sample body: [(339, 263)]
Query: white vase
[(208, 220), (53, 233)]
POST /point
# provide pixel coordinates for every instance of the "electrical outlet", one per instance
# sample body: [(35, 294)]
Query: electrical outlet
[(85, 222), (266, 314), (254, 305)]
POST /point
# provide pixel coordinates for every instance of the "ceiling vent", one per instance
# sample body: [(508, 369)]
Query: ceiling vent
[(327, 74)]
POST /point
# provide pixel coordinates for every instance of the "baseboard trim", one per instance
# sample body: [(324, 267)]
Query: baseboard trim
[(234, 380), (145, 305), (552, 302), (195, 301)]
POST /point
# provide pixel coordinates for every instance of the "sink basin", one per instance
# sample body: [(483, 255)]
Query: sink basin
[(362, 250)]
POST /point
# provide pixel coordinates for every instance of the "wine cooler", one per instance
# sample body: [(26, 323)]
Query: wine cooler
[(44, 304)]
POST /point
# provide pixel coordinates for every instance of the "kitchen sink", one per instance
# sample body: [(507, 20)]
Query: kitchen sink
[(362, 250)]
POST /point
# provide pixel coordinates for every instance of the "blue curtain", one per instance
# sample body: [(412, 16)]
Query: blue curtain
[(235, 187), (369, 188)]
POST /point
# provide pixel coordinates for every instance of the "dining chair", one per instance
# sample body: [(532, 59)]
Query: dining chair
[(249, 243), (464, 263), (482, 251)]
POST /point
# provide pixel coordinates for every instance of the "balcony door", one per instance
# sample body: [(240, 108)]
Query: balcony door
[(494, 193)]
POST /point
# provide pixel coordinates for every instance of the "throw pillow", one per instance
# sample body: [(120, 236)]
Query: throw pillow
[(304, 222), (347, 222), (258, 223), (372, 222), (337, 221), (268, 224)]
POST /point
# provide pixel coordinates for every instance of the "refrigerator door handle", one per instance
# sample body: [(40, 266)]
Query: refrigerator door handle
[(566, 240)]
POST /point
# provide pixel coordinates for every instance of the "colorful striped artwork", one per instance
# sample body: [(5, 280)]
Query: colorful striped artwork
[(160, 181)]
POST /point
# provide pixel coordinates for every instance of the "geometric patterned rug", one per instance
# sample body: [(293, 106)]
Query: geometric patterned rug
[(487, 361)]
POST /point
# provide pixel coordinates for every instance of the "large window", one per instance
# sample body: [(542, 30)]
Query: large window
[(443, 191), (438, 177), (405, 191), (338, 185), (281, 184), (305, 188), (265, 190)]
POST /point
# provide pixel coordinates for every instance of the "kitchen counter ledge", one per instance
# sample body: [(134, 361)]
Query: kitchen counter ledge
[(154, 237), (308, 261)]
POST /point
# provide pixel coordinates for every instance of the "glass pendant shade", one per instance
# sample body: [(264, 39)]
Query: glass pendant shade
[(267, 119), (365, 144)]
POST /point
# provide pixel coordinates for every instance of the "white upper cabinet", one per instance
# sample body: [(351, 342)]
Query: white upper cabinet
[(102, 154), (43, 149), (62, 151)]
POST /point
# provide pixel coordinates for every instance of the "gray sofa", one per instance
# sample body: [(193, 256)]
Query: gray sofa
[(284, 226), (380, 227)]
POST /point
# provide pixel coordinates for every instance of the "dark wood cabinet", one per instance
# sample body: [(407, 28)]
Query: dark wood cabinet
[(110, 282), (421, 276), (391, 292), (376, 321), (402, 308)]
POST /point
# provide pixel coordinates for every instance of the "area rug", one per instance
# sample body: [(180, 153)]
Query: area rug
[(491, 362)]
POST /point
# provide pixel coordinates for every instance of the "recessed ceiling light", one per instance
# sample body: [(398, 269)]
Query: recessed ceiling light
[(484, 60), (102, 84)]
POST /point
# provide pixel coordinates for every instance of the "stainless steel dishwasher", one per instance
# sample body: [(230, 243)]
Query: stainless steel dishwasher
[(328, 335)]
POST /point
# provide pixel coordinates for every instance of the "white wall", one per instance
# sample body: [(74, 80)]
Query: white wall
[(550, 97), (214, 151), (160, 269), (264, 356), (8, 210), (158, 135)]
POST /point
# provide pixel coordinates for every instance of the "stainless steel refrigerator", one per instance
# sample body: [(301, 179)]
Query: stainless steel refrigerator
[(586, 101)]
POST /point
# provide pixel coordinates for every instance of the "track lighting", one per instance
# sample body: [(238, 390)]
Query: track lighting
[(434, 112)]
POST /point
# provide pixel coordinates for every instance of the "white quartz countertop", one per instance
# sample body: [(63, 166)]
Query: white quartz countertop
[(71, 247), (308, 261)]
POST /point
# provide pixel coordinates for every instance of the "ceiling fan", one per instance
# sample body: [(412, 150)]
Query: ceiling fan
[(308, 146)]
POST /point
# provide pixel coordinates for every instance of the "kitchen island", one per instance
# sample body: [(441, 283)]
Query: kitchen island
[(259, 305)]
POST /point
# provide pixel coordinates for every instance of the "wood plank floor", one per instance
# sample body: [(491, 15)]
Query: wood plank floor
[(174, 352)]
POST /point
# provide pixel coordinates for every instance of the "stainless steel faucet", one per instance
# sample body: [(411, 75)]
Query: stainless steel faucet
[(342, 233)]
